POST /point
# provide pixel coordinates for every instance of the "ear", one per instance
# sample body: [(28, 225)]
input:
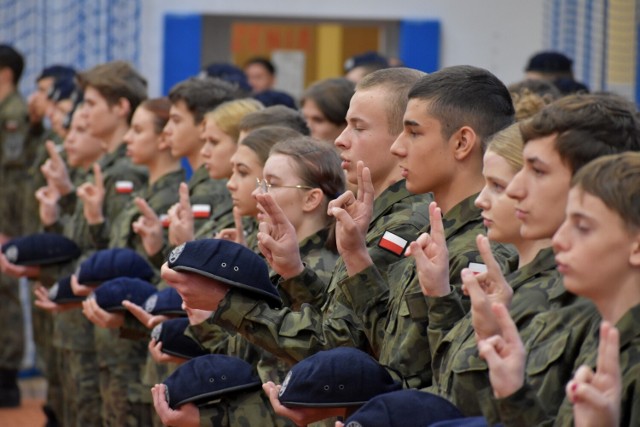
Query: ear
[(465, 141), (122, 108), (163, 142), (312, 199), (634, 255)]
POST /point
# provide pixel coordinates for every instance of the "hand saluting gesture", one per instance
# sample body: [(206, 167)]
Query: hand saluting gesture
[(92, 196)]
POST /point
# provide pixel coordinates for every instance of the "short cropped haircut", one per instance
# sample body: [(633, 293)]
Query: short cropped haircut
[(614, 179), (228, 115), (586, 127), (12, 59), (264, 62), (201, 95), (332, 97), (276, 115), (397, 82), (116, 80), (466, 96)]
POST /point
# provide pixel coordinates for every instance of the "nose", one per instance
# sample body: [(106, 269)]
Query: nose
[(560, 240), (398, 148), (515, 189), (342, 141), (482, 201)]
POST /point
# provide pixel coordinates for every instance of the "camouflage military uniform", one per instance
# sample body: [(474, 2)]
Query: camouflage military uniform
[(73, 332), (13, 128), (241, 410), (212, 194), (117, 169), (295, 335), (122, 360), (396, 314), (458, 371), (537, 403)]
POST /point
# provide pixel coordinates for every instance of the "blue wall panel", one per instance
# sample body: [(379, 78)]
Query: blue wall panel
[(420, 45)]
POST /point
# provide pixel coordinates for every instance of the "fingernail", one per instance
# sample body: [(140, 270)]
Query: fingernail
[(574, 387)]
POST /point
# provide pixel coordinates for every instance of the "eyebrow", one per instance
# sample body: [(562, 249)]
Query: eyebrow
[(412, 123), (535, 160)]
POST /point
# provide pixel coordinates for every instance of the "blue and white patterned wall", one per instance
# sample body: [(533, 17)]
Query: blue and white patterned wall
[(81, 33)]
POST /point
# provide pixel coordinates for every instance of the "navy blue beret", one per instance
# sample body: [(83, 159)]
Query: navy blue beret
[(269, 98), (63, 88), (166, 301), (61, 292), (111, 263), (404, 408), (211, 376), (56, 71), (174, 341), (227, 262), (40, 249), (110, 294), (343, 376), (365, 58), (551, 62)]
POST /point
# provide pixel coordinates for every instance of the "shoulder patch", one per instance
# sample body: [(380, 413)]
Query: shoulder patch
[(393, 243), (477, 268), (124, 187), (201, 210)]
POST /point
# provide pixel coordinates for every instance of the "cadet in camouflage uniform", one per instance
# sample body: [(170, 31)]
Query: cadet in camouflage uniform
[(294, 335), (13, 130), (209, 198), (394, 307)]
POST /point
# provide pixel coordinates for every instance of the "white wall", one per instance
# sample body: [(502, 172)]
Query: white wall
[(495, 34)]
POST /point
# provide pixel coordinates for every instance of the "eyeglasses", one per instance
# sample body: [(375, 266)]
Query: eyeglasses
[(264, 186)]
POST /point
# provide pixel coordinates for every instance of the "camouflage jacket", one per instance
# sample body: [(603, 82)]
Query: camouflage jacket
[(210, 201), (217, 340), (458, 371), (394, 308), (294, 335), (121, 180), (13, 163), (243, 409), (537, 404), (160, 196)]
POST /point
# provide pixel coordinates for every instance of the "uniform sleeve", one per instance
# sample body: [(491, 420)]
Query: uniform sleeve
[(210, 336), (306, 287), (523, 408)]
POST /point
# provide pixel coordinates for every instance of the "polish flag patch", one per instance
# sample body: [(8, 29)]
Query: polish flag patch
[(124, 187), (477, 268), (201, 211), (165, 220), (393, 243)]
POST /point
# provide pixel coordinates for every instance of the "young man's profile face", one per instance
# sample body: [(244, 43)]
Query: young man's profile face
[(593, 247), (367, 137), (183, 134), (101, 118), (540, 189), (424, 154)]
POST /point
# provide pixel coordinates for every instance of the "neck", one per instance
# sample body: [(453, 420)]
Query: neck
[(382, 184), (309, 227), (528, 249), (195, 160), (161, 166), (114, 140), (613, 305), (457, 190), (6, 90)]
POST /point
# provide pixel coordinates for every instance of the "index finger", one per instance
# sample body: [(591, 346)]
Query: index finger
[(237, 220), (53, 152), (185, 204), (609, 350), (365, 184), (97, 176), (437, 227), (272, 208), (137, 311), (484, 247), (145, 209)]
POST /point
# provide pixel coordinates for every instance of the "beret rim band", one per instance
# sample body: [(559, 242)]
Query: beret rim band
[(217, 393)]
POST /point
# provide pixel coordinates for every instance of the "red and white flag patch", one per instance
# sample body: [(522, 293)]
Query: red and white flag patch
[(477, 268), (124, 187), (165, 220), (201, 210), (393, 243)]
